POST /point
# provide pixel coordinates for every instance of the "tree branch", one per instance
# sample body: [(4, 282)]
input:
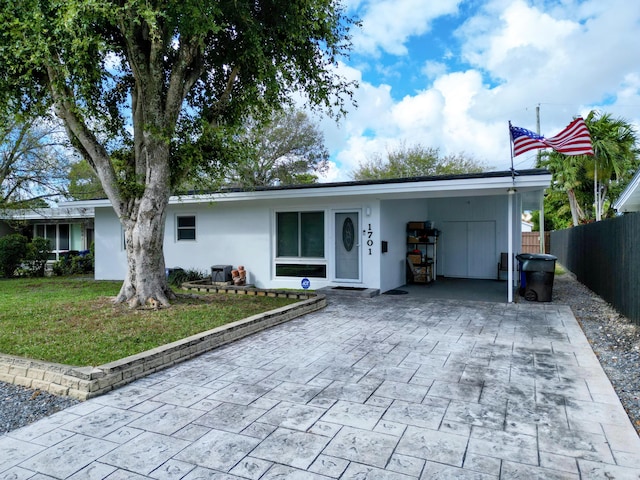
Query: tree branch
[(226, 94), (76, 128), (183, 76)]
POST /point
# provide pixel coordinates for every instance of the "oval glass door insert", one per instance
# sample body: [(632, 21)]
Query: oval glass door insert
[(348, 234)]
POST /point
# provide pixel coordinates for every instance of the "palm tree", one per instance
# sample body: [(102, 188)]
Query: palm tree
[(614, 151), (614, 162), (568, 176)]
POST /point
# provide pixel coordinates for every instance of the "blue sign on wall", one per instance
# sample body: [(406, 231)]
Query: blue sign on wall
[(306, 283)]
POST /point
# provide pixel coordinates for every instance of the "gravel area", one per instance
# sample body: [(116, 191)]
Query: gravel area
[(614, 339), (20, 406)]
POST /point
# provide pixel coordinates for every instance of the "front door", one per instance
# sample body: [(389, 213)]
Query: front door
[(347, 240)]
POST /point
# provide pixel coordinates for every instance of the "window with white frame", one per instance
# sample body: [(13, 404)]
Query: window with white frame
[(57, 234), (185, 227), (300, 244)]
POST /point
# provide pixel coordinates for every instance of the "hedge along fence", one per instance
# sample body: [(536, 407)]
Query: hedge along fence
[(605, 257)]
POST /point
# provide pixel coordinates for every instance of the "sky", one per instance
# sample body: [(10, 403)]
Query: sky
[(451, 74)]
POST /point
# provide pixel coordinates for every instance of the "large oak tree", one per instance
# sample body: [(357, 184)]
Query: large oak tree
[(145, 89)]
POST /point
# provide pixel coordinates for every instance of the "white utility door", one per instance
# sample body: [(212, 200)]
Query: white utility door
[(454, 245), (347, 246), (469, 249)]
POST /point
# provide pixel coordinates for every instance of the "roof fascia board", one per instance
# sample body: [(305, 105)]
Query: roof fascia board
[(490, 185), (63, 213), (470, 186)]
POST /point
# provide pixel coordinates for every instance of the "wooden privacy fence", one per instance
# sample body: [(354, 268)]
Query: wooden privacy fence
[(605, 257), (531, 242)]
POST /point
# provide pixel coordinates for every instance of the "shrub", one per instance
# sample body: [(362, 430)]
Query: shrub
[(73, 263), (36, 257), (178, 276), (13, 249)]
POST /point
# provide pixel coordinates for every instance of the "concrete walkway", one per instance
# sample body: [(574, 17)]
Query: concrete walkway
[(392, 387)]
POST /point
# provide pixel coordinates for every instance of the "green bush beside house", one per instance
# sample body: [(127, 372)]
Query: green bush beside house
[(74, 263), (20, 257), (13, 250)]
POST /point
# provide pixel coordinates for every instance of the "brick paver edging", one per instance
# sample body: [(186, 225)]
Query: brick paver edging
[(86, 382)]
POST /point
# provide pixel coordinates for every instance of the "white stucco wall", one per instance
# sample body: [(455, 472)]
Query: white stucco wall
[(110, 257), (395, 214), (242, 233), (226, 234)]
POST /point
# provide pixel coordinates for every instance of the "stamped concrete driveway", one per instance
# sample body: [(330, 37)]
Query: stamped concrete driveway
[(381, 388)]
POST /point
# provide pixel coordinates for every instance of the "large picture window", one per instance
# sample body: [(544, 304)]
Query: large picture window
[(186, 225), (300, 234), (62, 237)]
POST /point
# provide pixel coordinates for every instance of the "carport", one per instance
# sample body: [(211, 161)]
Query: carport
[(478, 217)]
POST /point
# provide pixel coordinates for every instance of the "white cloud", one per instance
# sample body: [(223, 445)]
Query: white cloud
[(419, 112), (521, 33), (333, 174), (387, 24), (568, 58), (433, 69)]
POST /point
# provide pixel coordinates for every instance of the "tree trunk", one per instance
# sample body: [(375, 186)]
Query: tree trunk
[(604, 189), (145, 281), (143, 225), (596, 190), (576, 211)]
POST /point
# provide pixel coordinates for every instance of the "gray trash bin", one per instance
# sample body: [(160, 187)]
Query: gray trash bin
[(536, 276)]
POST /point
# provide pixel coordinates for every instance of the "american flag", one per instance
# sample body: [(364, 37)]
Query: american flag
[(573, 140)]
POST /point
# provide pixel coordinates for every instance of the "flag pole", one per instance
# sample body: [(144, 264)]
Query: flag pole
[(510, 193), (513, 172), (541, 214)]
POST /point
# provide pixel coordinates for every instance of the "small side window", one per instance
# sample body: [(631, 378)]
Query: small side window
[(186, 227)]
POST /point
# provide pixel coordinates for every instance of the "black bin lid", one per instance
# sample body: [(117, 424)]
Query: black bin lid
[(536, 256), (537, 262)]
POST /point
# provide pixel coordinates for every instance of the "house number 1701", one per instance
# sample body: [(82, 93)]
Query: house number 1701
[(369, 235)]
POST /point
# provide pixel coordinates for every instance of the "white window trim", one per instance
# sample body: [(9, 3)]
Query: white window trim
[(177, 229), (298, 260), (56, 250)]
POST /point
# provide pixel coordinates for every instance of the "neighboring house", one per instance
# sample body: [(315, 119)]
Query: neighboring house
[(629, 199), (283, 235), (67, 229), (527, 227)]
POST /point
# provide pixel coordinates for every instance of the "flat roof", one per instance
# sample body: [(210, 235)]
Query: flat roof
[(470, 184), (70, 211)]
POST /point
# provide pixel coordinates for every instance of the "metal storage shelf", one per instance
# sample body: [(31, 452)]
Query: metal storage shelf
[(421, 267)]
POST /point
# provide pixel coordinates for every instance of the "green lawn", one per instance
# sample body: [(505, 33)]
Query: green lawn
[(73, 321)]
